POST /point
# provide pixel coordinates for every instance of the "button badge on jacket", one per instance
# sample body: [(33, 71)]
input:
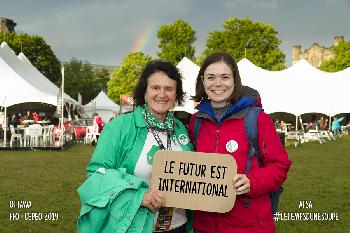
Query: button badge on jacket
[(183, 139), (231, 146)]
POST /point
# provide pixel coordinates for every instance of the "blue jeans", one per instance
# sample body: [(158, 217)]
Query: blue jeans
[(336, 132)]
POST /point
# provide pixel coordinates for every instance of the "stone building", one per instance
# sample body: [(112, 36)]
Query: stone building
[(7, 25), (316, 54)]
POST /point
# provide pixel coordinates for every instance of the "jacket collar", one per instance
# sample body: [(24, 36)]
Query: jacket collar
[(235, 110), (140, 119)]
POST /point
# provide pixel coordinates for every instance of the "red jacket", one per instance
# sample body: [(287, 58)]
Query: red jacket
[(212, 138), (99, 123)]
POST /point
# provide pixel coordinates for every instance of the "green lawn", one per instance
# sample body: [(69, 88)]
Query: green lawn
[(320, 174), (49, 180)]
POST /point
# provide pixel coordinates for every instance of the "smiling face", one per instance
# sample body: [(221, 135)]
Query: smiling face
[(218, 83), (160, 94)]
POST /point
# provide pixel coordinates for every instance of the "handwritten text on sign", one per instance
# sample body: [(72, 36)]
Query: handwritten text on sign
[(193, 180)]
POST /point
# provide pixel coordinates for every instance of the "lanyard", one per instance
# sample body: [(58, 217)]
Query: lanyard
[(160, 144), (165, 213)]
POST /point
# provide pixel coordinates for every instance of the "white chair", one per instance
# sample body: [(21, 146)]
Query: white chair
[(314, 135), (26, 137), (297, 136), (48, 135), (35, 133), (95, 133), (15, 135), (325, 134), (88, 134)]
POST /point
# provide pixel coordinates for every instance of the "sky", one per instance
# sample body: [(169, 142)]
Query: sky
[(105, 31)]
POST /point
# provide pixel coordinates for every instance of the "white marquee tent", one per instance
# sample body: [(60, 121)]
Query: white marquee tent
[(189, 72), (298, 89), (14, 89), (103, 105), (21, 82), (43, 82)]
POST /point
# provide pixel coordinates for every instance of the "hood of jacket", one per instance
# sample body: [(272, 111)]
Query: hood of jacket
[(235, 110)]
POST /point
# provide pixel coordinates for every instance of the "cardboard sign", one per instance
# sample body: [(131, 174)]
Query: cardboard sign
[(194, 180)]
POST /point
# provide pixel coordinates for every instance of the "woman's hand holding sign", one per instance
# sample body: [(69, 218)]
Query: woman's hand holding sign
[(241, 183), (153, 200)]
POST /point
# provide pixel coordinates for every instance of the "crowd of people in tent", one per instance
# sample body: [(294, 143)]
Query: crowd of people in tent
[(336, 127)]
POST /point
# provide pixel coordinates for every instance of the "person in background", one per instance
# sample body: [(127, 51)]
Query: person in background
[(97, 121), (336, 126), (16, 119), (2, 125), (222, 108), (36, 117), (309, 125), (325, 126), (321, 123), (125, 153), (47, 118), (283, 126), (27, 116), (277, 124)]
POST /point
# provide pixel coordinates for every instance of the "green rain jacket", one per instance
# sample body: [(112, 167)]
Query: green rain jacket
[(119, 147), (111, 202)]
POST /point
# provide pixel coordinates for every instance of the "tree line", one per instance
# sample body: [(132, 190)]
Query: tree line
[(242, 38)]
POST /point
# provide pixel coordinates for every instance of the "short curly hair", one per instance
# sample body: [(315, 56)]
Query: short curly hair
[(152, 67)]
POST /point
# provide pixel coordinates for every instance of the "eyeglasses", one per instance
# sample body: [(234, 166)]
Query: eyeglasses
[(213, 78)]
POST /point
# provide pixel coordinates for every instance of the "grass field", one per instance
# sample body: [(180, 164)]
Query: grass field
[(320, 175), (48, 179)]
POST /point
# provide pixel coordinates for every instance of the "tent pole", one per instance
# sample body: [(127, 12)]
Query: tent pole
[(94, 108), (62, 101), (5, 128), (296, 123)]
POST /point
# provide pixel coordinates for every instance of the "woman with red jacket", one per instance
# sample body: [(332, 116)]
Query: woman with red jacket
[(98, 121), (222, 107)]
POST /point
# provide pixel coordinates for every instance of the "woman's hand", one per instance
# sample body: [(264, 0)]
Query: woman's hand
[(241, 183), (153, 200)]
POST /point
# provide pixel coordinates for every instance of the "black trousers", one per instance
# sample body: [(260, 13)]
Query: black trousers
[(181, 229)]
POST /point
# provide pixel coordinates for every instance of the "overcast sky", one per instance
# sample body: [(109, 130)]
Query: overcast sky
[(104, 31)]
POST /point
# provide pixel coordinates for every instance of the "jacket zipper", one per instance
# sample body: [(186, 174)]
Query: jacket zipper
[(217, 139)]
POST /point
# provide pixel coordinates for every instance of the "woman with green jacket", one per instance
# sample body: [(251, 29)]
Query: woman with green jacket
[(122, 161)]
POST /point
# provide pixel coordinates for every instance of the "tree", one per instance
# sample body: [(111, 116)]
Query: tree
[(37, 51), (101, 77), (176, 42), (80, 78), (125, 77), (341, 59), (241, 38)]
